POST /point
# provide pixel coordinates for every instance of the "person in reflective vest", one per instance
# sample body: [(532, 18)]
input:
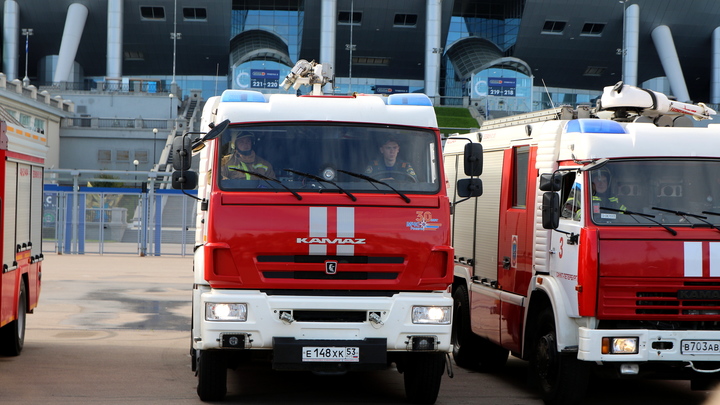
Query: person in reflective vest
[(601, 196), (246, 160), (389, 167)]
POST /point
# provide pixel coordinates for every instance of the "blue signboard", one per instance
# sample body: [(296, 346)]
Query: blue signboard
[(381, 89), (264, 79), (501, 86)]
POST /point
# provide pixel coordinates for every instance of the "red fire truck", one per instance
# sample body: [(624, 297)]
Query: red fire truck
[(313, 249), (22, 154), (595, 247)]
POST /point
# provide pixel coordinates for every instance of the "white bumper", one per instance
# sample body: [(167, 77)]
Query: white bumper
[(264, 323), (653, 345)]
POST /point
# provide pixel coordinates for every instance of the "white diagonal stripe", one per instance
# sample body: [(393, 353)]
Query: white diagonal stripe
[(693, 259), (346, 229), (318, 229), (714, 259)]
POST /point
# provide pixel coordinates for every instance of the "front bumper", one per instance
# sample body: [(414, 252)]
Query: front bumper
[(653, 345), (265, 322)]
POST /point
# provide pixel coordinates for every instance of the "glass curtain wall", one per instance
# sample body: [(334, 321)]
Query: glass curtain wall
[(279, 21)]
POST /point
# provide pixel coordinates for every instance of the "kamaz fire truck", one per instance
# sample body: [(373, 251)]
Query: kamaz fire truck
[(319, 257), (22, 156), (595, 246)]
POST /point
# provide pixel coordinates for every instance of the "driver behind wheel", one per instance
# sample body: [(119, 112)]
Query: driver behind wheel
[(389, 167)]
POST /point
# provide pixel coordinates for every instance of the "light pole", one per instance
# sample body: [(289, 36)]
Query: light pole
[(171, 108), (351, 47), (136, 163), (27, 32), (624, 46), (174, 36), (155, 131)]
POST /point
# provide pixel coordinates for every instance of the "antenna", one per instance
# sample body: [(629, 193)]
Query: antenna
[(548, 93)]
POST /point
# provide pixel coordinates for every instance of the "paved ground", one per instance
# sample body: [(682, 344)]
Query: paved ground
[(114, 330)]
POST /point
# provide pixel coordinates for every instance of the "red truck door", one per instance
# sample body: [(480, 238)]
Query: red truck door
[(515, 235)]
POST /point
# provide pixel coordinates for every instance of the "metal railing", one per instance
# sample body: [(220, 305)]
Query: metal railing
[(105, 212)]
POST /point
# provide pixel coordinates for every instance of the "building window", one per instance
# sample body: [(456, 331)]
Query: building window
[(344, 18), (39, 125), (152, 13), (122, 156), (554, 27), (24, 120), (405, 20), (596, 71), (195, 14), (592, 29), (141, 156), (104, 156)]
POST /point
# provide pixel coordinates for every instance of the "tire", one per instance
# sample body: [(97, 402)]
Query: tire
[(465, 343), (470, 350), (212, 375), (12, 335), (422, 375), (561, 378)]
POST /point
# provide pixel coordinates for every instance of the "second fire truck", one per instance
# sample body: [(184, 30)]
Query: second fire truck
[(595, 246)]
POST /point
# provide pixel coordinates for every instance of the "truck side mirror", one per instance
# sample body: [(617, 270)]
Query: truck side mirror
[(184, 180), (550, 210), (469, 188), (182, 155), (473, 159), (551, 182)]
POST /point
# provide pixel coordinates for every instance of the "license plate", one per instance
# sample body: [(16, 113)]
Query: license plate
[(700, 346), (338, 354)]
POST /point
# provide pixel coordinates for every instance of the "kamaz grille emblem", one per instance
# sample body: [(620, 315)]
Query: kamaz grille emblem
[(330, 267)]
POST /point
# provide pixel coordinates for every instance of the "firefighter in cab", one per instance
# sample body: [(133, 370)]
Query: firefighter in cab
[(244, 162), (390, 167)]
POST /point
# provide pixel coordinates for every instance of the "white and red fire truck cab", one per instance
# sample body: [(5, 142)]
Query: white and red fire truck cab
[(320, 253)]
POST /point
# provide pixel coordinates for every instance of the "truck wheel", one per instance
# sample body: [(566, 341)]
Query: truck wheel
[(470, 350), (423, 374), (465, 343), (12, 335), (212, 375), (562, 378)]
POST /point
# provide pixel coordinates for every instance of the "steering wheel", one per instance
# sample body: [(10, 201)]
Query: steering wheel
[(393, 175)]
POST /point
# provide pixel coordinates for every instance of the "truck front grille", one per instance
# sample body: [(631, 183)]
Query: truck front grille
[(658, 299)]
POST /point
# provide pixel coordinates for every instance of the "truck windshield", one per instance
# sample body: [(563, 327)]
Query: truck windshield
[(328, 158), (672, 192)]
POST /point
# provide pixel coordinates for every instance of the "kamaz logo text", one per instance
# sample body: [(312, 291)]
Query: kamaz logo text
[(329, 241)]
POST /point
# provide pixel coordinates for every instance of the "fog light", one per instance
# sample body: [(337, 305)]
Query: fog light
[(431, 315), (629, 368), (232, 341), (423, 343), (620, 345)]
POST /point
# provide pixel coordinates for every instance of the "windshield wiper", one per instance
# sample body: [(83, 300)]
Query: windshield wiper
[(372, 180), (267, 179), (640, 214), (320, 179), (687, 214)]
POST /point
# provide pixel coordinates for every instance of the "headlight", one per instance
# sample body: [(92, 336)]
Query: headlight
[(620, 345), (220, 311), (431, 315)]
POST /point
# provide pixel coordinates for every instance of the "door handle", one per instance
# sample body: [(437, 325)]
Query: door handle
[(506, 262)]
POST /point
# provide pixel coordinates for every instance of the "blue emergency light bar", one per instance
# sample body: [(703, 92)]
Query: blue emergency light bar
[(409, 99), (242, 96), (594, 126)]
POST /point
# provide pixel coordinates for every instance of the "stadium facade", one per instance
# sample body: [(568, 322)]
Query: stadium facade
[(497, 56)]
